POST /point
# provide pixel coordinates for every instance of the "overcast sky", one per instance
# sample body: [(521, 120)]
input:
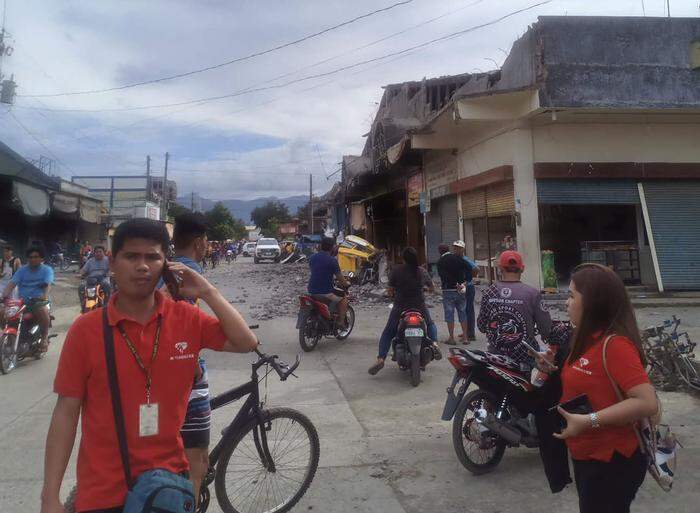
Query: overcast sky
[(254, 144)]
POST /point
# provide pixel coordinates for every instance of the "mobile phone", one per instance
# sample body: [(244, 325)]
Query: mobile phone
[(579, 404), (171, 282)]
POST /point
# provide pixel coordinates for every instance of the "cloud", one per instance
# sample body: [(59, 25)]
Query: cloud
[(274, 137)]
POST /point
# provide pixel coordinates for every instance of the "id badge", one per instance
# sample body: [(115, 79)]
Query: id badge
[(148, 419)]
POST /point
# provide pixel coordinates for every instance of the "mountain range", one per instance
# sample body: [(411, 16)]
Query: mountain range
[(241, 209)]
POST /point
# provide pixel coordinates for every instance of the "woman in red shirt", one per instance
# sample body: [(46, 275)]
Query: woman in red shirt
[(608, 465)]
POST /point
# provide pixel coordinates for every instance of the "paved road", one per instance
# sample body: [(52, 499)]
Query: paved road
[(383, 446)]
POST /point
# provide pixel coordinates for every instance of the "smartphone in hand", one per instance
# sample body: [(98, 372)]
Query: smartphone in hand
[(171, 282)]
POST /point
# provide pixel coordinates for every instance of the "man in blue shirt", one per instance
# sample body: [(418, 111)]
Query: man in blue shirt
[(33, 281), (459, 248), (324, 268)]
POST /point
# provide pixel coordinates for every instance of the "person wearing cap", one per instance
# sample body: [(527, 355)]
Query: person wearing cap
[(510, 311), (453, 271), (470, 293)]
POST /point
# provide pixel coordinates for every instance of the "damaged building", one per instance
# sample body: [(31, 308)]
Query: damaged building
[(583, 147)]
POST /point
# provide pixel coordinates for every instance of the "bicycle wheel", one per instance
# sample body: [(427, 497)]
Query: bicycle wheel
[(687, 372), (243, 483)]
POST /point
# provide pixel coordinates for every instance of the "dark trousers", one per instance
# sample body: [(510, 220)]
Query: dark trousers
[(471, 315), (609, 487)]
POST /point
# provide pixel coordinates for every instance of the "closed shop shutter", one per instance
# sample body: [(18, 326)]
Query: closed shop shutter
[(433, 231), (587, 192), (474, 204), (674, 212), (450, 219), (500, 199)]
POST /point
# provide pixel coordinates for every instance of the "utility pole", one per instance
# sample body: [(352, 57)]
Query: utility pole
[(148, 178), (311, 204), (192, 202), (668, 7), (164, 207)]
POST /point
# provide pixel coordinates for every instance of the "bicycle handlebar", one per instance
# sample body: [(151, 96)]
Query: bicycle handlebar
[(283, 369)]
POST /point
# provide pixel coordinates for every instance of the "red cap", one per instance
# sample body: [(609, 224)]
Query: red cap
[(511, 260)]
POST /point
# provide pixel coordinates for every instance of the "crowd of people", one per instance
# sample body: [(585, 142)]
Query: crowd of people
[(166, 399)]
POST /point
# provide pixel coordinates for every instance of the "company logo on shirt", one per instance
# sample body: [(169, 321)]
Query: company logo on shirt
[(506, 292), (584, 362), (181, 347)]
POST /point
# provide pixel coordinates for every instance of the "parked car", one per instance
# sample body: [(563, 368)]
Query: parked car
[(249, 249), (267, 249)]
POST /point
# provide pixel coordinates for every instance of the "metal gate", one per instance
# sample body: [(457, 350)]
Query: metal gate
[(587, 192), (674, 215), (450, 219), (433, 232)]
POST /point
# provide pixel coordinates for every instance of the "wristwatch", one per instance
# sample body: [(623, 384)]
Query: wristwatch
[(595, 421)]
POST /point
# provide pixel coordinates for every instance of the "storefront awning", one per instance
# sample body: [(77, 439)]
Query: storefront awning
[(89, 211), (34, 201), (65, 203)]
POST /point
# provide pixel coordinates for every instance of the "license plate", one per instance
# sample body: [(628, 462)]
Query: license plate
[(413, 332)]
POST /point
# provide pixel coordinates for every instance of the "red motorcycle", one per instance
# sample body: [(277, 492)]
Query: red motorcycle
[(315, 320), (21, 336)]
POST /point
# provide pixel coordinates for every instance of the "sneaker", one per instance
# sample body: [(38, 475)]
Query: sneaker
[(376, 368)]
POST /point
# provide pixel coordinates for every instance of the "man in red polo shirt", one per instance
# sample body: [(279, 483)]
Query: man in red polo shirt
[(142, 319)]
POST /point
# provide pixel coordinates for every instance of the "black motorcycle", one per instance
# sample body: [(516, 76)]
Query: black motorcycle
[(315, 320), (494, 416), (412, 349)]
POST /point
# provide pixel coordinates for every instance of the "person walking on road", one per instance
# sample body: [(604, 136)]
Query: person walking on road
[(609, 467), (156, 345), (453, 271)]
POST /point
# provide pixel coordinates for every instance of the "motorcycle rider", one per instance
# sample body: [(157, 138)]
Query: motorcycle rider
[(406, 284), (95, 270), (324, 268), (510, 310), (34, 282)]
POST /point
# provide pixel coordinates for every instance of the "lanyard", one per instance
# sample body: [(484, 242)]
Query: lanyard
[(139, 361)]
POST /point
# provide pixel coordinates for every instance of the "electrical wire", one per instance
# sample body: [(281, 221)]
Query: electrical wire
[(310, 77), (226, 63)]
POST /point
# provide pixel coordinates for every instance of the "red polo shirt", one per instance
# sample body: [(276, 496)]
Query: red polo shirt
[(82, 373), (586, 375)]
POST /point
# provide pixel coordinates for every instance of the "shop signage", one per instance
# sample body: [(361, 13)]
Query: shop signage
[(424, 203), (414, 188), (439, 192)]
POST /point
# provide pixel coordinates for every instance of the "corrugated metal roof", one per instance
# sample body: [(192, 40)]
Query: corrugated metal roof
[(15, 166)]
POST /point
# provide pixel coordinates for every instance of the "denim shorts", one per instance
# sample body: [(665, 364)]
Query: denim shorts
[(451, 301)]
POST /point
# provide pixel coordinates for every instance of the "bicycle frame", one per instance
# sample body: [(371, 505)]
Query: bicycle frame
[(251, 410)]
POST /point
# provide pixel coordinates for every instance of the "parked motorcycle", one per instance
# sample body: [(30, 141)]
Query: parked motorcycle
[(21, 336), (491, 418), (93, 298), (412, 349), (315, 320)]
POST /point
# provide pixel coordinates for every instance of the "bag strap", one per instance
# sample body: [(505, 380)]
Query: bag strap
[(618, 392), (116, 396)]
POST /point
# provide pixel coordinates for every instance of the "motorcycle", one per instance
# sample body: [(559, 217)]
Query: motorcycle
[(412, 349), (315, 320), (230, 256), (491, 418), (21, 336), (93, 298)]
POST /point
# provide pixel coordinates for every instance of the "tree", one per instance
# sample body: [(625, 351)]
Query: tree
[(175, 209), (269, 216), (222, 224)]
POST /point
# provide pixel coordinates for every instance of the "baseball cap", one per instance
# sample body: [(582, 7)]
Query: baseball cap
[(459, 244), (511, 260)]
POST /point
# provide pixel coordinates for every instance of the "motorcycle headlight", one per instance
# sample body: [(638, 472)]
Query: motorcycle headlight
[(91, 291), (11, 311)]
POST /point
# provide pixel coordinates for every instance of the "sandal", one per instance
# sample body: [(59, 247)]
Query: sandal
[(376, 368)]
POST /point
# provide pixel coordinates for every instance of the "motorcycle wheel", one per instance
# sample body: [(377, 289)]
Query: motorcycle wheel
[(307, 340), (8, 356), (415, 370), (481, 454), (350, 317)]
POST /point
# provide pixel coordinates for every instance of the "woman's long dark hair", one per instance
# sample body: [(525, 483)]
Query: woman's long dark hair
[(410, 258), (607, 309)]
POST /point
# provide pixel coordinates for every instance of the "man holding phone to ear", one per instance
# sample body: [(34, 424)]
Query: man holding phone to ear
[(156, 344)]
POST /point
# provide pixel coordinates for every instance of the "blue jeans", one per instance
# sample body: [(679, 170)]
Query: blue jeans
[(451, 301), (471, 316), (392, 326)]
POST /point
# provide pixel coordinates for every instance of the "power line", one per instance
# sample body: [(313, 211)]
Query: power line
[(226, 63), (40, 143), (311, 77)]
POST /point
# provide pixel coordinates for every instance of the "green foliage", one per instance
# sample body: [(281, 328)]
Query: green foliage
[(222, 224), (175, 209), (269, 216)]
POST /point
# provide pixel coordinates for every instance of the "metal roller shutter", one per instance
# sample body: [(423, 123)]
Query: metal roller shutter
[(674, 215), (500, 199), (587, 192), (433, 231), (474, 204), (450, 219)]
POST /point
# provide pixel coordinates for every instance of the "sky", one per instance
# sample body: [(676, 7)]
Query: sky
[(268, 135)]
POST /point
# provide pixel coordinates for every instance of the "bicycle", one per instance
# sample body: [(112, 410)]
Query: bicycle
[(670, 356), (266, 458)]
